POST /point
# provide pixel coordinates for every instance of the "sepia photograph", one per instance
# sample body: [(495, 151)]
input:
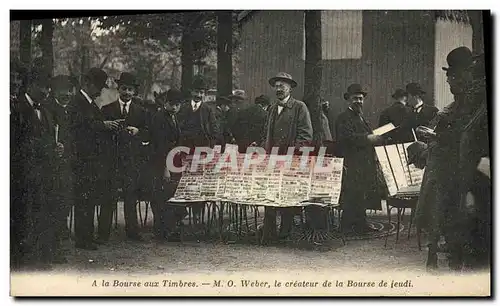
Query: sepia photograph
[(338, 153)]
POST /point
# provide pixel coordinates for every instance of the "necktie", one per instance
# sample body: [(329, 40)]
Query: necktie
[(173, 120), (36, 107), (124, 110)]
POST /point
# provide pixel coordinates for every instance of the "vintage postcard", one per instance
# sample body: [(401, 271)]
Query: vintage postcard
[(250, 153)]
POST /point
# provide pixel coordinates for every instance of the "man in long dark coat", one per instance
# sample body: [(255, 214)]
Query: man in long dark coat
[(35, 157), (438, 209), (62, 92), (165, 133), (288, 125), (356, 141), (125, 156), (88, 127)]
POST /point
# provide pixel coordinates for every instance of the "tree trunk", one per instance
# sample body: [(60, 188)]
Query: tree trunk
[(477, 31), (187, 61), (313, 70), (312, 91), (224, 53), (46, 46), (25, 45)]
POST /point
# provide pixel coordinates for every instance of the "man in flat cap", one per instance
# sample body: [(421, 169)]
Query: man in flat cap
[(356, 141), (88, 128), (165, 133), (288, 125), (124, 157)]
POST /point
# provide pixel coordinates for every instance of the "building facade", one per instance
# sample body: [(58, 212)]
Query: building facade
[(382, 50)]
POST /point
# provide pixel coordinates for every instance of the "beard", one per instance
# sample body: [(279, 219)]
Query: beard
[(280, 94), (357, 107)]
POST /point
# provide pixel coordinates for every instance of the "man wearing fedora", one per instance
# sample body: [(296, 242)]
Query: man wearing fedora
[(124, 156), (399, 114), (88, 128), (288, 125), (422, 113), (356, 141), (165, 134)]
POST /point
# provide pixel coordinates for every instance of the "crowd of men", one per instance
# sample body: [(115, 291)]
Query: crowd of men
[(68, 152)]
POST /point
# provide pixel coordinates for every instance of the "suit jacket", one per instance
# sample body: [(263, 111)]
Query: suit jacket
[(164, 137), (209, 125), (126, 150), (251, 121), (300, 130), (424, 117), (401, 116), (360, 185), (87, 129)]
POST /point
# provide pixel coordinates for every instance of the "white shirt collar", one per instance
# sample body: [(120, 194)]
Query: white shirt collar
[(57, 101), (86, 96), (123, 102), (30, 101), (195, 104), (419, 104), (284, 101)]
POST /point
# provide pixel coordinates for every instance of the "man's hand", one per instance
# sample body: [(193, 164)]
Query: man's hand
[(132, 130), (59, 149), (375, 139), (112, 125), (484, 166)]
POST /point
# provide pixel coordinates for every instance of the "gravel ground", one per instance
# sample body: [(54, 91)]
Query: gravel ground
[(150, 257)]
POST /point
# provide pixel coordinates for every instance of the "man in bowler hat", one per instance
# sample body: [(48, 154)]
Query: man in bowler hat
[(125, 156), (288, 125), (88, 127), (199, 126), (400, 115), (356, 141), (421, 113)]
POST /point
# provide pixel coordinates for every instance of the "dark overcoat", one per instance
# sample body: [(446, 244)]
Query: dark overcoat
[(360, 184), (209, 125)]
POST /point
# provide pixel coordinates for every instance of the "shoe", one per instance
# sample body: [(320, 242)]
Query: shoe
[(86, 246)]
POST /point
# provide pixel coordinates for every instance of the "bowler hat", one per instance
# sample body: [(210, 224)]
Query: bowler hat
[(199, 83), (354, 89), (127, 79), (174, 95), (459, 59), (283, 76), (414, 89), (399, 93), (61, 82), (98, 77), (263, 100), (238, 95)]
